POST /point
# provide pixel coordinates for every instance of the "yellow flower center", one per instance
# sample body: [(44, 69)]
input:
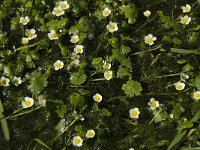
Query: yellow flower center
[(53, 35), (108, 75), (187, 9), (3, 82), (16, 82), (63, 5), (97, 98), (24, 21), (134, 113), (74, 40), (179, 87), (78, 141), (106, 13), (78, 50), (153, 104), (149, 40), (25, 41), (91, 134), (197, 95), (185, 20), (147, 14), (59, 65), (28, 103), (111, 26), (57, 11)]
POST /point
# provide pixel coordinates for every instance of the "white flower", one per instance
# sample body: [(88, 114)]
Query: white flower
[(106, 65), (90, 134), (153, 103), (17, 80), (63, 5), (108, 75), (185, 20), (74, 39), (24, 20), (28, 102), (60, 126), (77, 141), (106, 12), (4, 81), (78, 49), (52, 35), (31, 34), (147, 13), (149, 39), (97, 97), (179, 86), (112, 27), (131, 149), (25, 40), (58, 12), (134, 113), (196, 95), (186, 8), (58, 65)]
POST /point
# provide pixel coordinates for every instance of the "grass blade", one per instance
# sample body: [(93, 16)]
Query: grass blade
[(4, 124)]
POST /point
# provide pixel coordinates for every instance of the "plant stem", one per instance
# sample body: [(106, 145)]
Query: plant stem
[(155, 116)]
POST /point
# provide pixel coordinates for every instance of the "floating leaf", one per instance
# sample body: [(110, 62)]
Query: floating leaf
[(132, 88)]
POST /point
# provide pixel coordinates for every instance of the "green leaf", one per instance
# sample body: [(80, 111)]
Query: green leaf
[(196, 117), (77, 100), (177, 41), (73, 30), (187, 67), (37, 82), (106, 112), (57, 24), (122, 72), (78, 78), (42, 143), (130, 13), (125, 49), (14, 23), (61, 110), (176, 139), (132, 88), (83, 24), (196, 82), (113, 42), (184, 51)]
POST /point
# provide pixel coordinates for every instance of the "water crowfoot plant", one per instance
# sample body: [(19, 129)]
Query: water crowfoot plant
[(106, 75)]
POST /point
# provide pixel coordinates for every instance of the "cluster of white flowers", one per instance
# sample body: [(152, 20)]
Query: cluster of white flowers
[(185, 20), (6, 82), (78, 141), (30, 34), (60, 10)]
